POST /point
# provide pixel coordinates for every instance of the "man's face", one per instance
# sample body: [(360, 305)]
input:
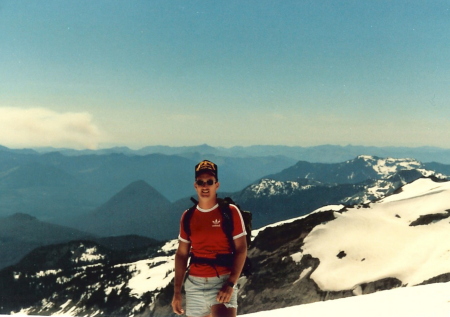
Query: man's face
[(206, 186)]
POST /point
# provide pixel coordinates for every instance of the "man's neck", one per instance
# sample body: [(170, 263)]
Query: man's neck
[(207, 203)]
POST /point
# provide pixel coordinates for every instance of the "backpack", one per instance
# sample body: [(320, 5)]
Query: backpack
[(227, 226)]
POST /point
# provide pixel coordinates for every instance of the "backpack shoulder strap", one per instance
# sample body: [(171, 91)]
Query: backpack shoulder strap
[(246, 217), (228, 225), (188, 216)]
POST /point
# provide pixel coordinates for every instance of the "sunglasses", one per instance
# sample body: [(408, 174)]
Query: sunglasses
[(209, 182)]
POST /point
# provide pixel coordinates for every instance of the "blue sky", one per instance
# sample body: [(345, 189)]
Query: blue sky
[(88, 74)]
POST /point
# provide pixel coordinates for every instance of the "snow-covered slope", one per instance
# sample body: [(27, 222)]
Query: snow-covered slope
[(421, 301), (385, 240)]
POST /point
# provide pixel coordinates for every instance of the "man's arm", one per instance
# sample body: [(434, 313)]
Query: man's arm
[(240, 244), (181, 258)]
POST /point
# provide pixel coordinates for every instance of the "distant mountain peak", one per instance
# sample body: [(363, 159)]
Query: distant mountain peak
[(139, 184), (133, 210), (269, 187), (388, 160), (139, 189), (387, 167), (22, 217)]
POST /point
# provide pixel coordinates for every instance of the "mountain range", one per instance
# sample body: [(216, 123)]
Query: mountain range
[(139, 209), (56, 184), (336, 251), (53, 186), (316, 154)]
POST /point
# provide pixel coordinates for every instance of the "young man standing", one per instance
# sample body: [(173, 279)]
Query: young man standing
[(210, 283)]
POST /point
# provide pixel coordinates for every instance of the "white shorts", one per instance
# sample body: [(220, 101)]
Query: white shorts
[(201, 294)]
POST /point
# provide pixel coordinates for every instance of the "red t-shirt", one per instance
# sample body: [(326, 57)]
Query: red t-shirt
[(208, 238)]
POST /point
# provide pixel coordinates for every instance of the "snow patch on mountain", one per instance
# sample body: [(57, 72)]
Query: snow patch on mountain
[(386, 167), (151, 275), (89, 255), (270, 187), (364, 245), (374, 191)]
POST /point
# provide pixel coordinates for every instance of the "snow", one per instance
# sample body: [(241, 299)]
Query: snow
[(45, 273), (419, 301), (150, 275), (117, 288), (392, 248), (63, 307), (170, 246), (297, 257), (270, 187), (91, 255), (419, 188), (389, 166)]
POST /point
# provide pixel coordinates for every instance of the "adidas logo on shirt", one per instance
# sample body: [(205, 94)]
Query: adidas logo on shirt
[(216, 223)]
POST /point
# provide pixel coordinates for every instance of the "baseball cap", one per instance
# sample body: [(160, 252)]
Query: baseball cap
[(206, 167)]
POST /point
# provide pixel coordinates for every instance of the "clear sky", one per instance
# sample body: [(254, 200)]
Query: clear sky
[(88, 74)]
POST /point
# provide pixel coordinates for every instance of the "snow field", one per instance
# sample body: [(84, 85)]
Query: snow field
[(380, 243)]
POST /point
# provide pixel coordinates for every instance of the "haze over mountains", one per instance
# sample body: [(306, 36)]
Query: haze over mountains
[(55, 185), (314, 154), (67, 189), (52, 186)]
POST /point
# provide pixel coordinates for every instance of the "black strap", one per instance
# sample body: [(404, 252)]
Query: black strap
[(228, 225), (225, 260), (222, 259)]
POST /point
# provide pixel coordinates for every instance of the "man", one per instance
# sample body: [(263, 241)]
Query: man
[(209, 284)]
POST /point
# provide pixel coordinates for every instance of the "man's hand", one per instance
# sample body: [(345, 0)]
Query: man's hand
[(177, 304), (224, 294)]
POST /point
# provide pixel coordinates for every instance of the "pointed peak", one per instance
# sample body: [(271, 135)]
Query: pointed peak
[(22, 217), (137, 191), (139, 183), (138, 187)]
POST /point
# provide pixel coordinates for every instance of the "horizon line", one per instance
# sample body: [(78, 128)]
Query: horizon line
[(41, 148)]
